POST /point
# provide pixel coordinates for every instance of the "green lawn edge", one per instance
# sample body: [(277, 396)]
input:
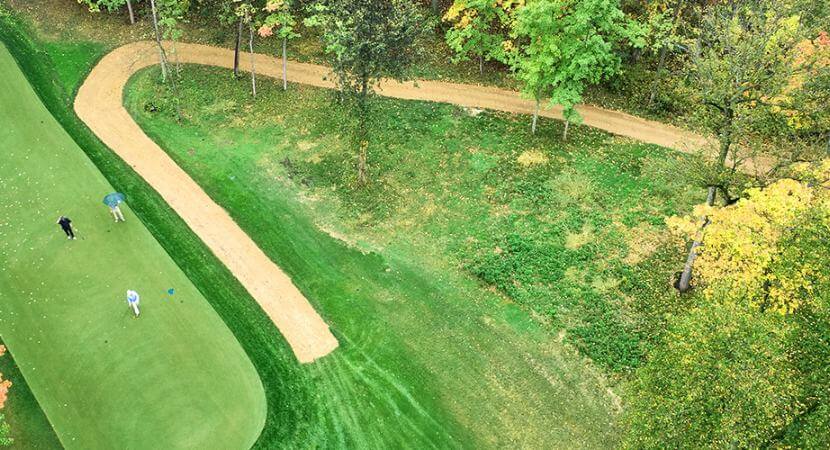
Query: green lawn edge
[(260, 340)]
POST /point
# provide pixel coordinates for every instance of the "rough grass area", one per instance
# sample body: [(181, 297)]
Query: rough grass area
[(30, 429), (429, 356), (571, 233)]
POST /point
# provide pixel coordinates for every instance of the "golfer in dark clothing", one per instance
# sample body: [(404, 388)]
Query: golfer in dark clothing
[(66, 226)]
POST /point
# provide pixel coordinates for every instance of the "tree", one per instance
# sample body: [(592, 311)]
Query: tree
[(170, 17), (225, 12), (365, 42), (802, 105), (158, 35), (754, 250), (110, 5), (560, 46), (721, 378), (480, 28), (248, 16), (811, 428), (662, 24), (4, 393), (281, 19), (743, 57), (749, 367)]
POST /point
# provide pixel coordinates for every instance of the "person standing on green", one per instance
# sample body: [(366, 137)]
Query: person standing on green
[(66, 226)]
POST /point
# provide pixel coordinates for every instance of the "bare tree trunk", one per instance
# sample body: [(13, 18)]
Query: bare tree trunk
[(657, 77), (130, 10), (565, 133), (635, 55), (481, 65), (685, 282), (362, 164), (162, 54), (535, 116), (236, 49), (253, 59), (284, 64), (176, 59)]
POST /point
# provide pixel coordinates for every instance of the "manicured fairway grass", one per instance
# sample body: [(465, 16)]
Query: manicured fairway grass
[(174, 378)]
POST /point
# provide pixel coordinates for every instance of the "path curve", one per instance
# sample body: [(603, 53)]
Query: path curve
[(99, 104)]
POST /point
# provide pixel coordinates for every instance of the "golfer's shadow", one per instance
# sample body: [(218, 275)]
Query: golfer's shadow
[(128, 313)]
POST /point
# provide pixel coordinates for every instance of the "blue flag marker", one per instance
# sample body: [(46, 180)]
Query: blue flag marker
[(171, 291)]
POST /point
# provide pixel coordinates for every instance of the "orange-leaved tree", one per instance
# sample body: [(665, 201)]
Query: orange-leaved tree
[(4, 395)]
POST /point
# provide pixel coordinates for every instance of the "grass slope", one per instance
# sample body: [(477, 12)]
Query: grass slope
[(106, 380), (572, 232), (427, 352)]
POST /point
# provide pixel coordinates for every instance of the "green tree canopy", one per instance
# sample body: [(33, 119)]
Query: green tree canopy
[(480, 28), (366, 41), (721, 379), (561, 46)]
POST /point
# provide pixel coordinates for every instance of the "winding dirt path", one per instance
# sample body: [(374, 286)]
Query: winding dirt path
[(99, 104)]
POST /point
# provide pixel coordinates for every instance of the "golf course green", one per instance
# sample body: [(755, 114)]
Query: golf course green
[(174, 378)]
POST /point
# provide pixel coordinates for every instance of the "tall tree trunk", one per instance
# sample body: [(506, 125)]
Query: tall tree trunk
[(481, 65), (162, 54), (535, 116), (657, 77), (284, 64), (362, 165), (565, 132), (253, 59), (236, 49), (635, 55), (684, 284), (176, 59), (130, 10), (685, 281)]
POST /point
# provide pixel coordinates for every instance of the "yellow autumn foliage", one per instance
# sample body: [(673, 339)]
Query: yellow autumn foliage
[(744, 253)]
